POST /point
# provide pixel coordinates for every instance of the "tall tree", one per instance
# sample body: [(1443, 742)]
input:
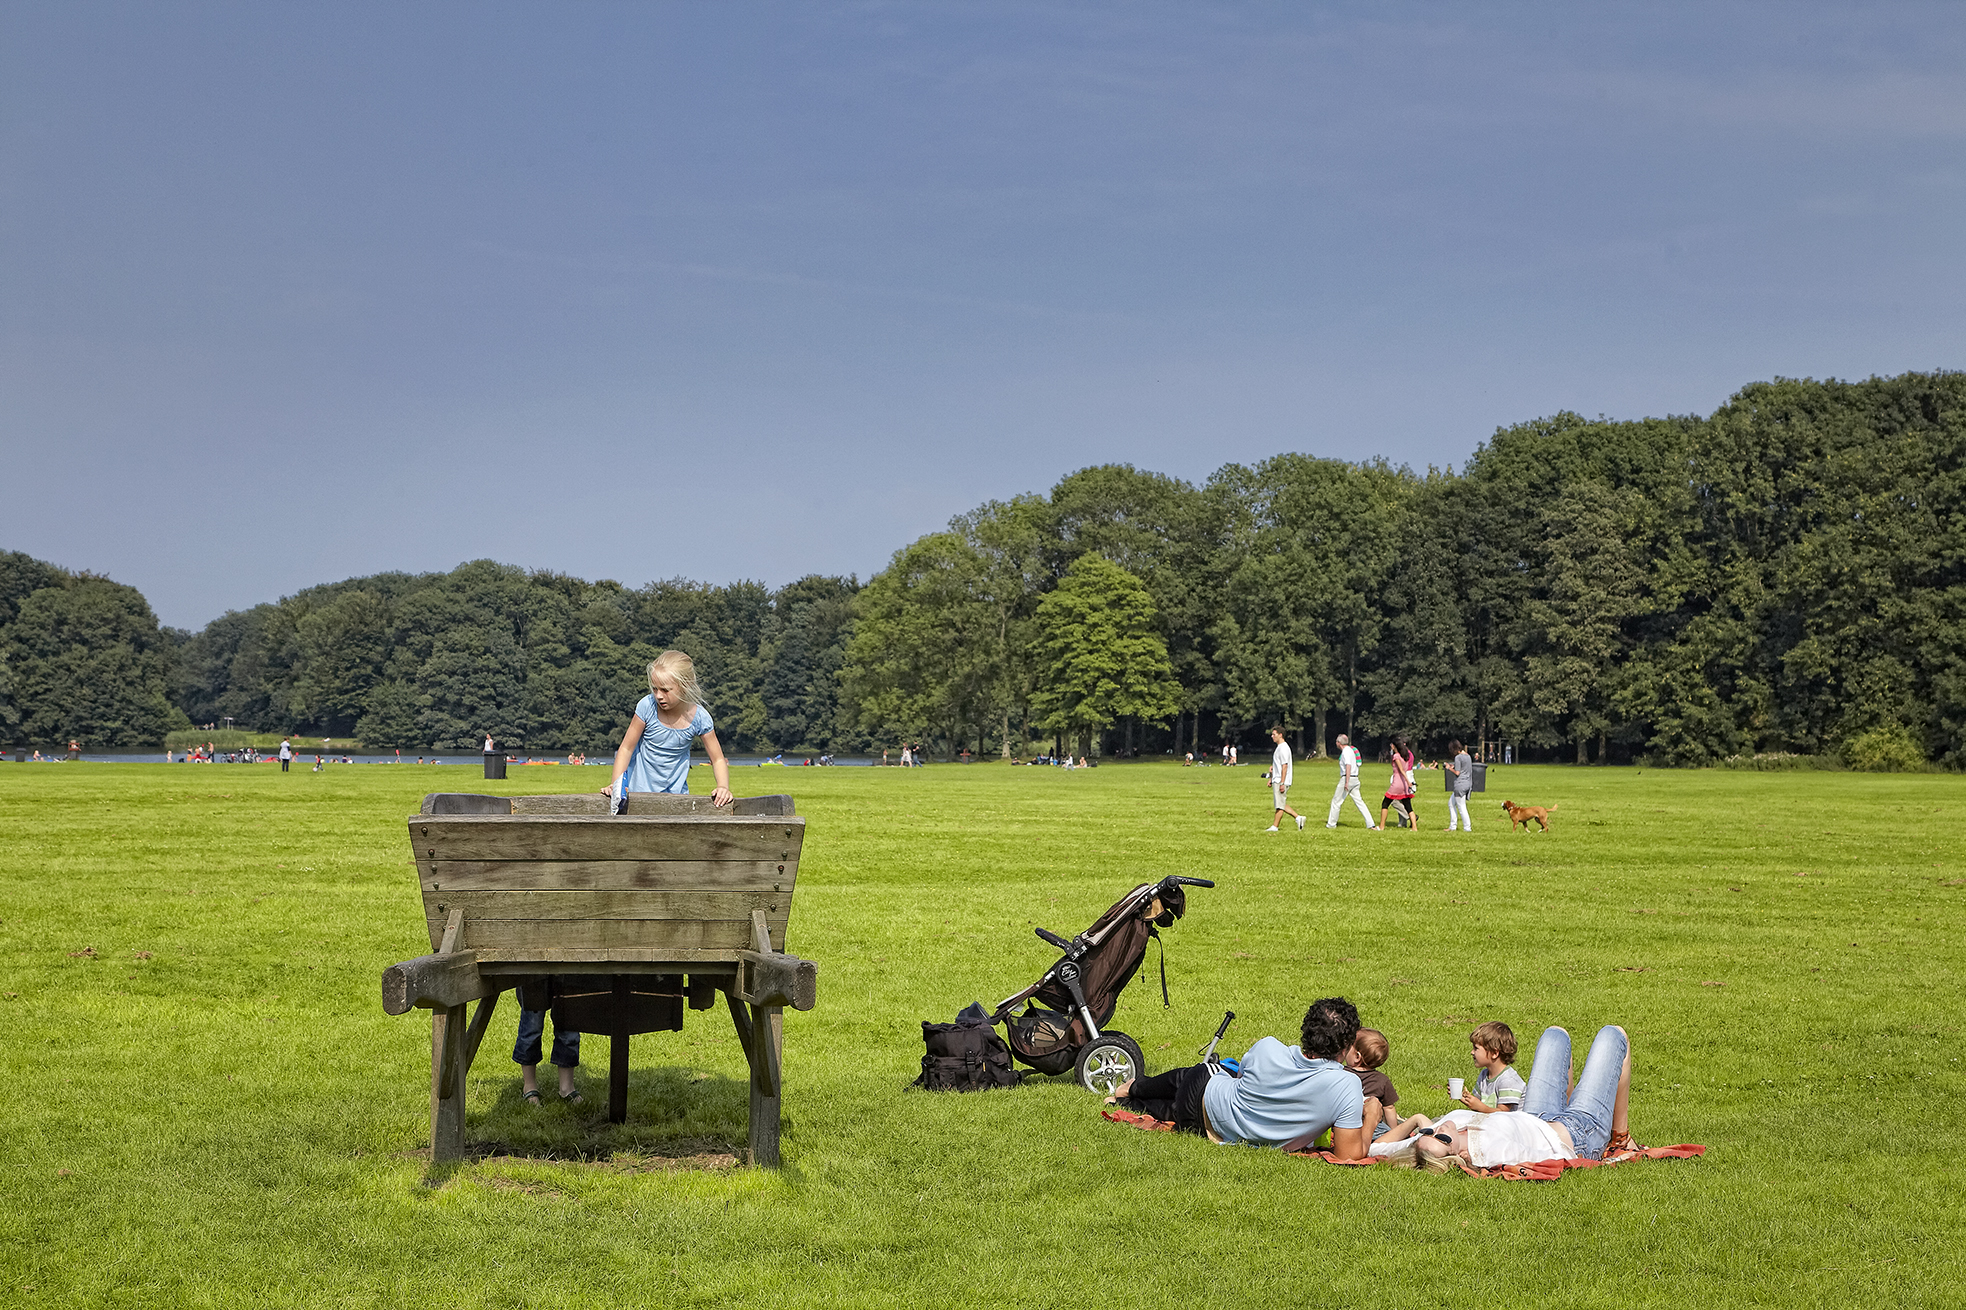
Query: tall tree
[(1101, 656)]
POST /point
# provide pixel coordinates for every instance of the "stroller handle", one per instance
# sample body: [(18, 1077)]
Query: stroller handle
[(1054, 939), (1178, 880)]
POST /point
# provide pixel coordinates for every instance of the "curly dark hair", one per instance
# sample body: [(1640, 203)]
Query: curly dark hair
[(1329, 1027)]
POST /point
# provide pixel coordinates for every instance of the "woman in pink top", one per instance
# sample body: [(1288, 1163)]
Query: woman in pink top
[(1400, 791)]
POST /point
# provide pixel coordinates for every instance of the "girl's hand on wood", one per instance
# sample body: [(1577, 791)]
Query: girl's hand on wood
[(720, 797)]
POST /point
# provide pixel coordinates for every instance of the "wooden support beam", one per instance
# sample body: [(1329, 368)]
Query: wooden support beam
[(435, 982), (447, 1084), (618, 1053), (480, 1020), (776, 979), (740, 1019), (767, 1045), (767, 1021), (767, 1051)]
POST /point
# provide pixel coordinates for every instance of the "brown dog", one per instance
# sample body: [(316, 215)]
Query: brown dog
[(1520, 815)]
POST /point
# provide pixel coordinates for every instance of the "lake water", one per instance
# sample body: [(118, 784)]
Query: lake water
[(473, 760)]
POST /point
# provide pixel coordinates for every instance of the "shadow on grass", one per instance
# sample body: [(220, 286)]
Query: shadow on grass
[(678, 1119)]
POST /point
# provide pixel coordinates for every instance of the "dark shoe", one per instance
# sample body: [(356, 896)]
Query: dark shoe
[(573, 1097)]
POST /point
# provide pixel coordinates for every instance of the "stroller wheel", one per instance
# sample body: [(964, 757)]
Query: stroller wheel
[(1106, 1063)]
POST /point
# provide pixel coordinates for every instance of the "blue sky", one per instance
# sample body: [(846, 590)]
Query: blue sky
[(291, 293)]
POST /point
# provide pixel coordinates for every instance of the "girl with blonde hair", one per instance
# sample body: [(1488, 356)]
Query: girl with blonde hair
[(654, 754)]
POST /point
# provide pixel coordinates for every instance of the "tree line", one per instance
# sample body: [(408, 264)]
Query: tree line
[(1782, 576)]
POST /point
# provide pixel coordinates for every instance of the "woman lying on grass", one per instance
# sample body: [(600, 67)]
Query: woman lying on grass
[(1558, 1121), (1287, 1095)]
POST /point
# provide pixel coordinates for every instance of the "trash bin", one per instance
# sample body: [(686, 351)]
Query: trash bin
[(495, 764), (1480, 778), (20, 754)]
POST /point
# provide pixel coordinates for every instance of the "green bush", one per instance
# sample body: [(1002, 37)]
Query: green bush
[(234, 739), (1780, 762), (1887, 749)]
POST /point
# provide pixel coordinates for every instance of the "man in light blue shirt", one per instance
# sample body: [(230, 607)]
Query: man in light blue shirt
[(1287, 1095)]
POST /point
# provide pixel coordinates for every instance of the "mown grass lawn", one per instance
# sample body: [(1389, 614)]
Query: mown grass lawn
[(211, 1107)]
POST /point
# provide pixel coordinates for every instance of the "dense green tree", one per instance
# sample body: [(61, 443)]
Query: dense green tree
[(1101, 658), (85, 659), (1168, 534), (920, 662)]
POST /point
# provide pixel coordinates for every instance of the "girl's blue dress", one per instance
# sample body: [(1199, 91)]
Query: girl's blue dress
[(661, 759)]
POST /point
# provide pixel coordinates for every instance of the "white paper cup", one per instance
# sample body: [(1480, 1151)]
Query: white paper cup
[(1454, 1086)]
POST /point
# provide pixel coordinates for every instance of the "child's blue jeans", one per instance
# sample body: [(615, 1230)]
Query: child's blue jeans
[(1585, 1110), (532, 1027)]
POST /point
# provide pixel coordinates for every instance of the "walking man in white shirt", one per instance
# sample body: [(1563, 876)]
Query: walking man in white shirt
[(1280, 775), (1348, 785)]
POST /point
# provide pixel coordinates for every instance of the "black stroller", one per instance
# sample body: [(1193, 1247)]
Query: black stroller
[(1061, 1027)]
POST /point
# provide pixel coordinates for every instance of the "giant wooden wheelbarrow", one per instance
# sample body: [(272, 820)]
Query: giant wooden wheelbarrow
[(614, 920)]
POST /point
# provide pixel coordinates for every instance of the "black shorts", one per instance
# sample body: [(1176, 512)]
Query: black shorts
[(1404, 804)]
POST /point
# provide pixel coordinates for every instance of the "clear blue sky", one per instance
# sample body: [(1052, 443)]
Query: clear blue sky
[(294, 292)]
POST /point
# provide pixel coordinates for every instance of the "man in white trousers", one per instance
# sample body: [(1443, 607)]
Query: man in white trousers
[(1280, 777), (1348, 785)]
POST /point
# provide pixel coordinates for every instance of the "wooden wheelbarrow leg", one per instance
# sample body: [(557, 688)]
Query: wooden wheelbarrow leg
[(447, 1063), (618, 1054), (764, 1026)]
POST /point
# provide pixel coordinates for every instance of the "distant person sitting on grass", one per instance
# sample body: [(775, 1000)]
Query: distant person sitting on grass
[(1369, 1050), (1558, 1121), (1500, 1087), (1287, 1096)]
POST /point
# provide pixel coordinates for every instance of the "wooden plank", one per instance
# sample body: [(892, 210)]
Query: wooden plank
[(624, 837), (639, 802), (604, 1014), (714, 974), (574, 803), (457, 802), (435, 982), (504, 937), (562, 959), (571, 875), (453, 936), (489, 906)]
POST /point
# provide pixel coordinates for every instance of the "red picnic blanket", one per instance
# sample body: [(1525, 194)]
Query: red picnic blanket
[(1542, 1171)]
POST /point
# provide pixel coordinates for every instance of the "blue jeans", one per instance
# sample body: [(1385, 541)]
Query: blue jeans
[(532, 1026), (1586, 1110)]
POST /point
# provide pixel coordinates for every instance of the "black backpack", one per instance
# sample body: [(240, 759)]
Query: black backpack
[(964, 1057)]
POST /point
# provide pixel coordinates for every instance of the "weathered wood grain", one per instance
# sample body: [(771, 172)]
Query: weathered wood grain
[(480, 906), (778, 980), (570, 959), (624, 837), (435, 982), (576, 803), (506, 938), (626, 875)]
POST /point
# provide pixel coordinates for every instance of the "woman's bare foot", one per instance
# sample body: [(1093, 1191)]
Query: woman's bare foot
[(1121, 1092)]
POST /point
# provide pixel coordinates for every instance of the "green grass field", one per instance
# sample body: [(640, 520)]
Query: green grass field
[(208, 1106)]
